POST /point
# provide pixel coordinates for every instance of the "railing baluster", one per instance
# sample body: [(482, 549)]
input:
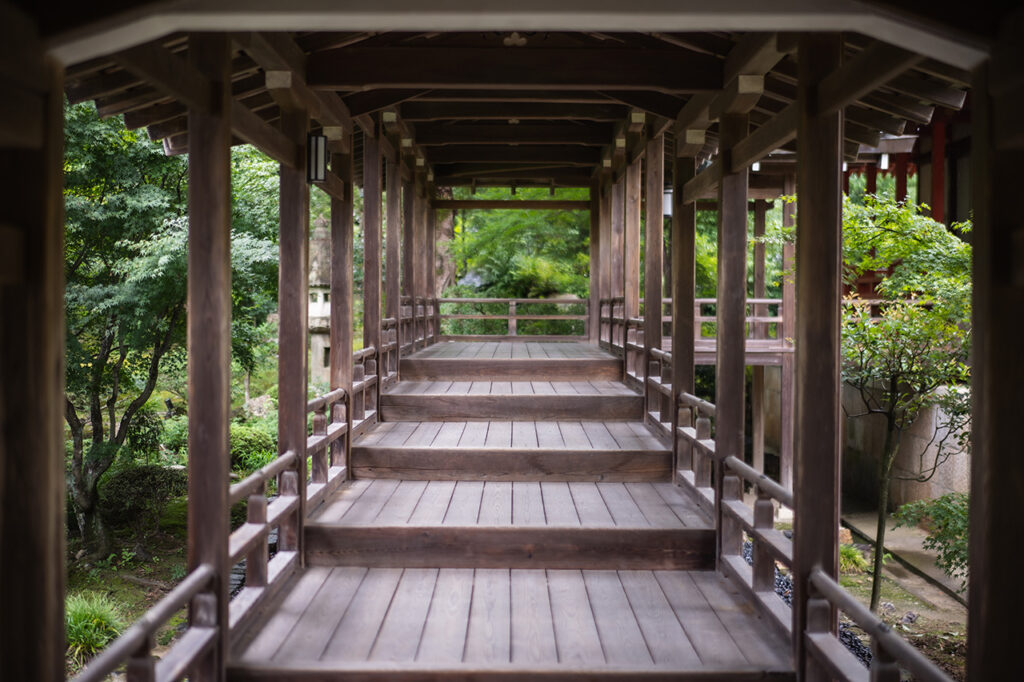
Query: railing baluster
[(764, 562), (883, 664), (141, 667), (256, 560), (358, 407), (288, 531), (511, 318), (731, 532), (339, 414), (702, 463), (318, 472)]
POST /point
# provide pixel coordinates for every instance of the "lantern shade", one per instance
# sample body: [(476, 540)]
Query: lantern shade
[(316, 158)]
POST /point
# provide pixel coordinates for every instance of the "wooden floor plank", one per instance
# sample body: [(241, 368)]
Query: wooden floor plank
[(524, 435), (488, 638), (433, 504), (371, 502), (354, 637), (464, 508), (740, 618), (319, 621), (621, 639), (682, 505), (268, 641), (424, 434), (590, 505), (499, 435), (543, 388), (652, 506), (501, 388), (448, 435), (474, 435), (522, 388), (574, 436), (559, 509), (527, 504), (623, 509), (549, 436), (666, 640), (599, 436), (625, 436), (444, 635), (347, 495), (496, 505), (399, 507), (576, 633), (533, 634), (377, 433), (712, 642), (399, 636), (564, 387), (480, 388), (397, 434)]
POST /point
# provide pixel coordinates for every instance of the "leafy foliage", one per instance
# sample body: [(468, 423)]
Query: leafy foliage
[(136, 496), (91, 622), (851, 560), (251, 448), (947, 520)]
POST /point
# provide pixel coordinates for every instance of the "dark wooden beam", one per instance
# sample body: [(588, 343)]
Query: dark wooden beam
[(657, 103), (684, 234), (371, 244), (533, 178), (631, 241), (268, 139), (517, 96), (209, 337), (482, 170), (512, 204), (594, 263), (170, 73), (566, 155), (439, 134), (578, 69), (873, 67), (438, 111), (372, 101), (817, 418)]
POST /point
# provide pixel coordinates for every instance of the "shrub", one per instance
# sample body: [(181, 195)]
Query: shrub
[(91, 621), (136, 497), (251, 447), (144, 434), (947, 521), (851, 560), (175, 434)]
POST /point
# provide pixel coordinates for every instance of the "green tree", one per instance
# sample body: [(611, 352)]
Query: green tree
[(125, 269), (913, 354)]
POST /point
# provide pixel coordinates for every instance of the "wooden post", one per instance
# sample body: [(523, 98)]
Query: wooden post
[(618, 234), (938, 202), (606, 248), (871, 179), (407, 333), (430, 254), (631, 242), (654, 248), (730, 375), (902, 162), (787, 333), (997, 471), (341, 289), (293, 296), (760, 330), (371, 244), (209, 337), (819, 242), (392, 266), (32, 494), (596, 274), (684, 234)]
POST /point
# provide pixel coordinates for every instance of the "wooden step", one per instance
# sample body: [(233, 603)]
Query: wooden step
[(512, 450), (486, 400), (345, 623), (510, 369)]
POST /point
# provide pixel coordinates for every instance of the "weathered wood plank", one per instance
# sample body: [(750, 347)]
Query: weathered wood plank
[(533, 633), (488, 638), (354, 637), (399, 636), (510, 369), (621, 638), (444, 633)]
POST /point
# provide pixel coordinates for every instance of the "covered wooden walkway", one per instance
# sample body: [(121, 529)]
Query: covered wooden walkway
[(507, 525)]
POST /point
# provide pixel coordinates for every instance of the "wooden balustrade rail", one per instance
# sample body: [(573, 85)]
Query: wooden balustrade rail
[(514, 315), (135, 646), (419, 324), (890, 651)]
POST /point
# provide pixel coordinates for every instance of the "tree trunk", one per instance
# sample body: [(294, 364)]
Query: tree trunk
[(884, 472)]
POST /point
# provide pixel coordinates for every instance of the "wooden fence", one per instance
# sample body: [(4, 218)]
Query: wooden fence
[(512, 317)]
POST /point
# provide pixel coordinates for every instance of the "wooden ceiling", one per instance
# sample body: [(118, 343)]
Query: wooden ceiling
[(520, 108)]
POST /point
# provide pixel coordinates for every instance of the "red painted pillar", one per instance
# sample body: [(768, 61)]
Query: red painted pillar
[(871, 176), (938, 202), (901, 176)]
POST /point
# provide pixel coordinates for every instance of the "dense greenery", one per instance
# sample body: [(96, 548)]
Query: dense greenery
[(91, 622), (946, 519), (126, 274), (911, 353), (135, 497)]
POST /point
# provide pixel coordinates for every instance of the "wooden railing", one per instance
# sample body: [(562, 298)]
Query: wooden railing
[(760, 324), (419, 325), (388, 352), (364, 386), (513, 315), (700, 468)]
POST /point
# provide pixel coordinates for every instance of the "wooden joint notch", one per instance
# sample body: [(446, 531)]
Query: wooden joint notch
[(739, 96)]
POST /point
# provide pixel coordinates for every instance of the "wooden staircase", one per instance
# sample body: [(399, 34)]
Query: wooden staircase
[(506, 529)]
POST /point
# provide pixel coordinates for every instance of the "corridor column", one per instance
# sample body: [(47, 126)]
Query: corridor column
[(997, 470), (596, 274), (341, 284), (392, 268), (818, 289), (631, 252), (684, 234), (371, 247)]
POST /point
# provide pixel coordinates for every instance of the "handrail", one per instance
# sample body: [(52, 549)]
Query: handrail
[(254, 481), (883, 637), (560, 301), (756, 478), (137, 640), (690, 400), (513, 315), (326, 399)]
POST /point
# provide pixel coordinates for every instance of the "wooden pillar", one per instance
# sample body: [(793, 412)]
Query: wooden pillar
[(392, 267), (596, 274), (371, 245), (938, 202), (618, 228), (902, 163), (341, 277), (209, 338), (997, 470), (654, 249), (293, 297), (760, 332), (871, 179), (631, 241), (846, 182), (684, 234), (788, 332), (430, 253), (730, 375), (819, 242), (407, 334), (32, 494)]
